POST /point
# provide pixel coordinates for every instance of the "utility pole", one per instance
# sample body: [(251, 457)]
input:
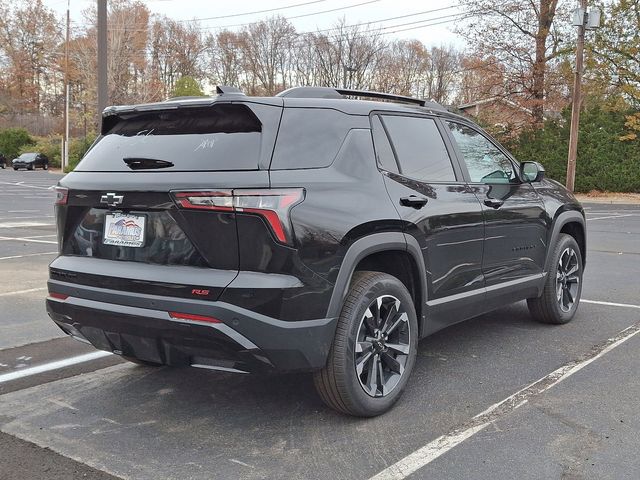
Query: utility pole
[(103, 92), (576, 100), (65, 141), (584, 21)]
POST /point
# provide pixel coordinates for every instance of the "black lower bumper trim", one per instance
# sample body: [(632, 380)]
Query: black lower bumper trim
[(243, 341)]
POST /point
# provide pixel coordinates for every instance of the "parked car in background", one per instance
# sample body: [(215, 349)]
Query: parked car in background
[(30, 161), (3, 161), (310, 231)]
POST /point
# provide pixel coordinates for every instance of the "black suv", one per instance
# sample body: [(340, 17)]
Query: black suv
[(311, 231), (30, 161)]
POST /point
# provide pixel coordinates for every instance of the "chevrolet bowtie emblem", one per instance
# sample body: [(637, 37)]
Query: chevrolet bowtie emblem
[(111, 199)]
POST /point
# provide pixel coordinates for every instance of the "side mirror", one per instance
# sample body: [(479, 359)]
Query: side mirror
[(531, 172)]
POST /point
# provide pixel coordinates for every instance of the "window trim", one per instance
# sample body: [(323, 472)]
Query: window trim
[(486, 136), (453, 158)]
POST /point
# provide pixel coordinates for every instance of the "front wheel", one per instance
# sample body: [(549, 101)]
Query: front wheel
[(45, 166), (374, 348), (563, 286)]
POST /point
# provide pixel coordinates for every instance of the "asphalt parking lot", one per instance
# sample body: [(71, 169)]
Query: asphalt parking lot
[(496, 397)]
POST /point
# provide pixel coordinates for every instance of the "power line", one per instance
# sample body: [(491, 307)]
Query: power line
[(196, 19), (255, 12), (444, 19)]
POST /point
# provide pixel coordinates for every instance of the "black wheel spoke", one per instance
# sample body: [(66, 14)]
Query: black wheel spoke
[(363, 346), (370, 322), (372, 375), (391, 363), (400, 348), (361, 362)]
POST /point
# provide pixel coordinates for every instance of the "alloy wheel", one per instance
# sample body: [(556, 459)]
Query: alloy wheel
[(567, 279), (382, 346)]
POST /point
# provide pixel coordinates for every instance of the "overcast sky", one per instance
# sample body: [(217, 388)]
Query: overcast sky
[(419, 18)]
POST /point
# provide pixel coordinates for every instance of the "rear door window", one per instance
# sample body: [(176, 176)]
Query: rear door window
[(217, 137), (419, 148), (310, 138)]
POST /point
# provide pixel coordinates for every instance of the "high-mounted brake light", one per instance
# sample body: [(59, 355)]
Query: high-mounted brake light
[(273, 205), (62, 195), (193, 317)]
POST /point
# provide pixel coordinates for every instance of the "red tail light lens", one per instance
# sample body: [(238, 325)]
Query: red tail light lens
[(62, 195), (273, 205), (193, 317), (58, 296)]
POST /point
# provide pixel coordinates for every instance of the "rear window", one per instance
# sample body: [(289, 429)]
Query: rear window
[(310, 138), (218, 137)]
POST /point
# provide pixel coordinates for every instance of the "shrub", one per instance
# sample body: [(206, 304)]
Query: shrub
[(605, 162), (12, 140), (77, 148)]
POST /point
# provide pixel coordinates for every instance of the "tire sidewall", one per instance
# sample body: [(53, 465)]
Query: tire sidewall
[(368, 405)]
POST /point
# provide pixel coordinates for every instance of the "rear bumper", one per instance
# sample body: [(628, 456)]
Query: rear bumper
[(139, 326)]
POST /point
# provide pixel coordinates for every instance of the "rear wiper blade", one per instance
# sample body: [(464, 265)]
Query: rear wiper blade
[(137, 163)]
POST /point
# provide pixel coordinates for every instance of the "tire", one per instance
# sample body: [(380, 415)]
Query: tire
[(45, 166), (562, 289), (371, 295), (30, 167), (15, 168), (144, 363)]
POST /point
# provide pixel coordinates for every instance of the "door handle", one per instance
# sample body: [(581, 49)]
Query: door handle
[(414, 201), (493, 202)]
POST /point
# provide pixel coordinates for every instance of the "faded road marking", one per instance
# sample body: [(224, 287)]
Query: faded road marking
[(47, 367), (441, 445)]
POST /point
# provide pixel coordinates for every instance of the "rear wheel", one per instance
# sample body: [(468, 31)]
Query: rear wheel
[(374, 349), (563, 286), (30, 167), (45, 166)]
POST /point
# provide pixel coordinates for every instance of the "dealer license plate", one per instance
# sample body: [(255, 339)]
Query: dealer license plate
[(124, 230)]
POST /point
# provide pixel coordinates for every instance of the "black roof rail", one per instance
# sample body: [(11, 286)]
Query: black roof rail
[(186, 97), (310, 92), (225, 89), (328, 92)]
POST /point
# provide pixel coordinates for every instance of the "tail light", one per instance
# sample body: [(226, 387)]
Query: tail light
[(62, 195), (273, 205)]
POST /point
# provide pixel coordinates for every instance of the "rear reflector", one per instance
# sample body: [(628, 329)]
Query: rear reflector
[(58, 296), (193, 317), (273, 205)]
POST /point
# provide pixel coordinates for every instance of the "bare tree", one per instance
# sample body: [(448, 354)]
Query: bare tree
[(524, 36)]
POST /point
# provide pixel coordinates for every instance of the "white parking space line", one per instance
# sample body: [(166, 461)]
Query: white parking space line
[(29, 237), (47, 367), (23, 211), (441, 445), (28, 255), (21, 184), (610, 304), (26, 239), (612, 216), (20, 292), (23, 218), (22, 224)]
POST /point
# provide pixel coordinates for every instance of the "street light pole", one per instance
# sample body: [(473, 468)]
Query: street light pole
[(576, 101), (65, 141)]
